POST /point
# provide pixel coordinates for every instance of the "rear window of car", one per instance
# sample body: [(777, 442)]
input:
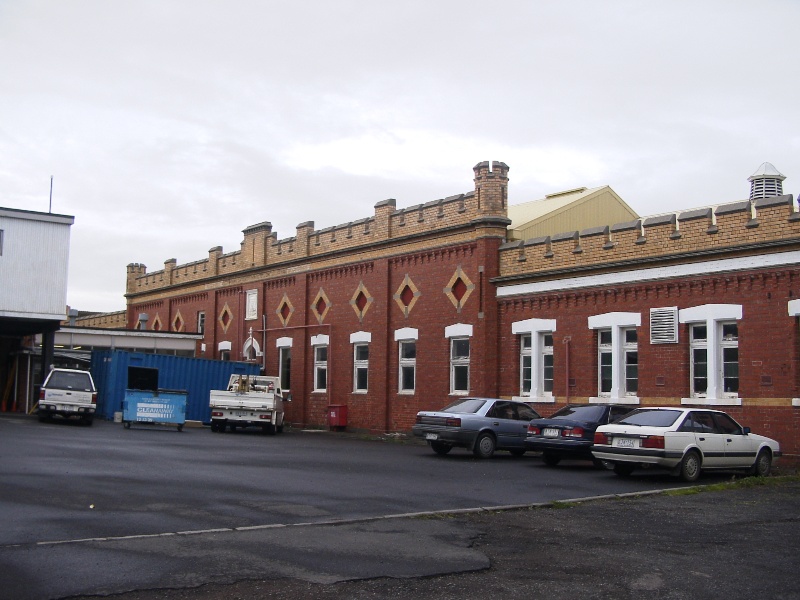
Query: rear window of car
[(467, 405), (651, 418), (65, 380), (580, 413)]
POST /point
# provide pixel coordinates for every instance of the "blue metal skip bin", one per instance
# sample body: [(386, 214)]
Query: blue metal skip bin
[(162, 407)]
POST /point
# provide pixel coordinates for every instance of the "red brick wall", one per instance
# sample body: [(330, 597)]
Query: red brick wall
[(768, 343)]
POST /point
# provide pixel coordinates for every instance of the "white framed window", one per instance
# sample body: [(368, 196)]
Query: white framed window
[(536, 361), (201, 322), (284, 346), (285, 367), (360, 341), (459, 365), (713, 353), (360, 367), (406, 339), (459, 335), (320, 345), (525, 365), (617, 356), (320, 368), (408, 366), (629, 381), (251, 305)]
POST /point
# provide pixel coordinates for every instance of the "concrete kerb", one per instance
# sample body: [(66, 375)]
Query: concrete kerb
[(340, 522)]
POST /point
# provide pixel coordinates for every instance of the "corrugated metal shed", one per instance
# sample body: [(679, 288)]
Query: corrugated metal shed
[(35, 249), (112, 375), (571, 210)]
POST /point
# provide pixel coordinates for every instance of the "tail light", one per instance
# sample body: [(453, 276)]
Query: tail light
[(94, 398), (534, 430), (453, 422), (41, 395), (653, 441), (600, 439), (419, 419), (576, 432), (216, 414)]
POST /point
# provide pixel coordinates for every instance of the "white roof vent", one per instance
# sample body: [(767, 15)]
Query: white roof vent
[(766, 182)]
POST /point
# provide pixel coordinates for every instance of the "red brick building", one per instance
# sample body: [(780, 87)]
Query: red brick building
[(401, 311)]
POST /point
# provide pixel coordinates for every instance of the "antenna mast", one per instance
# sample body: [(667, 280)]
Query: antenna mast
[(51, 194)]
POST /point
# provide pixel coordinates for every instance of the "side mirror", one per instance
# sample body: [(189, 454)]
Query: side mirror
[(287, 397), (745, 430)]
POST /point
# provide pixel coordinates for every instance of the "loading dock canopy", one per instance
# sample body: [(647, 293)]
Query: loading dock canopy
[(125, 339)]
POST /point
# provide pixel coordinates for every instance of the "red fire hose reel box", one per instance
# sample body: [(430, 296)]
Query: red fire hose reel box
[(337, 415)]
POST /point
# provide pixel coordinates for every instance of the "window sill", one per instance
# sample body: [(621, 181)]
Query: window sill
[(537, 399), (711, 401), (795, 401), (359, 392), (609, 400)]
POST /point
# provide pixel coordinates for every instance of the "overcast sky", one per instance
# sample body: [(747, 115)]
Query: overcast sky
[(170, 126)]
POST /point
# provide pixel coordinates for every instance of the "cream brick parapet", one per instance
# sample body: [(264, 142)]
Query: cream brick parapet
[(484, 208), (704, 232)]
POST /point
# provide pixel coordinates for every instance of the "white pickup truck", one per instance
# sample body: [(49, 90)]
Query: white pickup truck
[(69, 393), (250, 400)]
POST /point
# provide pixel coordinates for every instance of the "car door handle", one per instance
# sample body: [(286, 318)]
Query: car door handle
[(496, 424), (729, 440), (702, 439)]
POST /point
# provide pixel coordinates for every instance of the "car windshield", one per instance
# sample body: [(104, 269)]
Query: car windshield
[(651, 418), (580, 413), (467, 405), (66, 380)]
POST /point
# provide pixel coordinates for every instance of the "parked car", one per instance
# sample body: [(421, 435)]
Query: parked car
[(69, 393), (569, 432), (683, 440), (481, 425)]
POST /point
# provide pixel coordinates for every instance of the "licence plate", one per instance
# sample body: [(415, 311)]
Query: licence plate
[(431, 436), (240, 414), (550, 432), (626, 443)]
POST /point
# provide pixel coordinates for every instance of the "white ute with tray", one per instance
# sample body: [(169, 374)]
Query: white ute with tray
[(249, 401)]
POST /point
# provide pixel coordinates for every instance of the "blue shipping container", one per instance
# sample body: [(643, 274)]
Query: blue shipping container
[(115, 371)]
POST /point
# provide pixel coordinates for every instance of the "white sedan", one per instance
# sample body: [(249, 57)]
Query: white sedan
[(683, 440)]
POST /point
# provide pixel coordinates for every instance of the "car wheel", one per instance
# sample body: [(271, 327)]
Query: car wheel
[(690, 466), (43, 416), (127, 425), (551, 459), (440, 448), (268, 429), (484, 446), (88, 421), (518, 452), (763, 464), (624, 469)]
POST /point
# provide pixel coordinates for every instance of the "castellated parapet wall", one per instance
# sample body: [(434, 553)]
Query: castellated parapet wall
[(261, 248), (700, 232)]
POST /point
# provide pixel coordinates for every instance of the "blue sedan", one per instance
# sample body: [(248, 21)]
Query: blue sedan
[(481, 425), (569, 432)]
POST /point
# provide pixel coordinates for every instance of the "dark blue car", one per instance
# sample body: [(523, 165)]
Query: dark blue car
[(569, 432)]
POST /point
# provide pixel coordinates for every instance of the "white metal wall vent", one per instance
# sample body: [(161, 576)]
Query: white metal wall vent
[(664, 325)]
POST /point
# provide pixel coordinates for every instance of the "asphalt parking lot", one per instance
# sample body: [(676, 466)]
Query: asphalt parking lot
[(107, 512), (733, 543)]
